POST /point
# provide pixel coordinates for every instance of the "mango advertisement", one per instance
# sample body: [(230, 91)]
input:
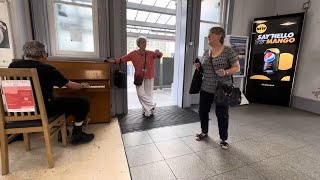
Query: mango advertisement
[(274, 50)]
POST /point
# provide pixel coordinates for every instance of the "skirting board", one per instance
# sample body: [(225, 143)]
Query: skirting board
[(306, 104)]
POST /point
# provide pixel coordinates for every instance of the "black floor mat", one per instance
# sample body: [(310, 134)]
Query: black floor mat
[(163, 116)]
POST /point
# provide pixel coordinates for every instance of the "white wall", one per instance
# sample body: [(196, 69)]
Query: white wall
[(307, 77), (246, 10), (244, 13)]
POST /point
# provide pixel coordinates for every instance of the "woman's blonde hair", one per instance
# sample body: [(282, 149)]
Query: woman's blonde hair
[(219, 31)]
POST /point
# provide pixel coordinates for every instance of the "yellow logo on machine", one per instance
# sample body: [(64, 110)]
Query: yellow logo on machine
[(261, 28)]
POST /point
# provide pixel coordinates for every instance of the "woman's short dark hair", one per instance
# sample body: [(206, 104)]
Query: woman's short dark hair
[(34, 49), (220, 31)]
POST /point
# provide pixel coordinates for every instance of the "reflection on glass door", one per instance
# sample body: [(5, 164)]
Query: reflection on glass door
[(211, 16)]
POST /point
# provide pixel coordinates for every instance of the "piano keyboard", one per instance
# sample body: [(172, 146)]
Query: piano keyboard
[(85, 88), (97, 86)]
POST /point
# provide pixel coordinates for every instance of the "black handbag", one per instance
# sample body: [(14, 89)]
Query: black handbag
[(196, 82), (120, 77), (226, 95), (138, 80)]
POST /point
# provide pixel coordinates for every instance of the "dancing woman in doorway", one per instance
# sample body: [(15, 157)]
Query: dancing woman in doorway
[(143, 62)]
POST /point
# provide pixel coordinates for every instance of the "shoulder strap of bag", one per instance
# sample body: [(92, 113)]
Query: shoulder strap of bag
[(119, 65), (214, 72), (144, 64)]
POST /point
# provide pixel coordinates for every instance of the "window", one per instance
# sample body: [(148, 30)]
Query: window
[(154, 19), (73, 28), (211, 10), (212, 14)]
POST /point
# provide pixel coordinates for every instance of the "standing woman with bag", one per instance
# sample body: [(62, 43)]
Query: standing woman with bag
[(143, 62), (218, 65)]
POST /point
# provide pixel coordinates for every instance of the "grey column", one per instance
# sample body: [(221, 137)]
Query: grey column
[(39, 15), (113, 43)]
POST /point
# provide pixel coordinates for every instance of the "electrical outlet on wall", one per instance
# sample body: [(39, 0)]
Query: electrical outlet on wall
[(4, 63)]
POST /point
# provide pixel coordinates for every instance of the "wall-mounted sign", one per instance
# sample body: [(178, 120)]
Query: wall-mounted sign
[(240, 45)]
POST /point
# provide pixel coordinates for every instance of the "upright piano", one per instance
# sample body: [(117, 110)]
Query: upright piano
[(95, 73)]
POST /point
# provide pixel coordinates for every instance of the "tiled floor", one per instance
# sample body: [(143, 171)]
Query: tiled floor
[(266, 142)]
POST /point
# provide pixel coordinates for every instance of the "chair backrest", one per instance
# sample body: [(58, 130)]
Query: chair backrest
[(32, 76)]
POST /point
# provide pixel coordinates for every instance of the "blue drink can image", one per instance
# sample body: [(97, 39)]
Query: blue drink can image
[(271, 60)]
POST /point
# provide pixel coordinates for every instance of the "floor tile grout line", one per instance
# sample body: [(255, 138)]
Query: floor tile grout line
[(124, 149), (306, 174), (250, 165), (138, 145), (179, 156), (212, 177), (150, 137), (166, 140), (260, 137), (258, 172), (171, 169), (166, 161), (195, 140), (200, 157), (246, 165), (271, 156), (166, 125), (227, 151), (147, 163), (200, 160), (294, 167), (163, 140)]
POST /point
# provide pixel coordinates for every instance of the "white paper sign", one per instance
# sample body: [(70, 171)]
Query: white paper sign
[(76, 33)]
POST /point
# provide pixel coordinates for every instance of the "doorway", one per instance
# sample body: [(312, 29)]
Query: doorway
[(155, 20)]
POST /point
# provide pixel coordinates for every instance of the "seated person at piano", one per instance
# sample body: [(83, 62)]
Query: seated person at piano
[(35, 56)]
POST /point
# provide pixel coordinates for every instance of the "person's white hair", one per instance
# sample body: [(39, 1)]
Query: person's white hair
[(141, 38)]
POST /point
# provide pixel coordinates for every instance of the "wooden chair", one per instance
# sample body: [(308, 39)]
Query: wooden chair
[(27, 122)]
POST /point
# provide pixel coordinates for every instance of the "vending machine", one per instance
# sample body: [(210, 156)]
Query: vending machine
[(273, 58)]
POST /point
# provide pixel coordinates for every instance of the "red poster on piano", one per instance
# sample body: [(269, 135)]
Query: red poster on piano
[(18, 95)]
